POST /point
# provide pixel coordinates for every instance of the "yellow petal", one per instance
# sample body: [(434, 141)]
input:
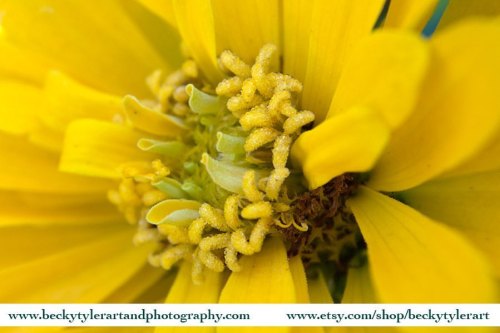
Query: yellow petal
[(457, 114), (25, 167), (55, 209), (299, 279), (264, 278), (359, 287), (98, 148), (416, 260), (26, 243), (136, 285), (318, 290), (15, 63), (196, 26), (20, 103), (162, 8), (151, 121), (119, 58), (184, 291), (46, 138), (349, 142), (83, 274), (468, 203), (68, 100), (297, 15), (163, 37), (409, 14), (461, 9), (245, 26), (384, 74), (487, 159), (336, 27)]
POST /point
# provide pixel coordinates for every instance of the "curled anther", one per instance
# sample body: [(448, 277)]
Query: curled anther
[(229, 87), (173, 254), (248, 90), (281, 150), (213, 216), (215, 242), (231, 258), (295, 122), (275, 181), (211, 261), (195, 230), (231, 211), (249, 187), (257, 210), (259, 137), (258, 116), (234, 64)]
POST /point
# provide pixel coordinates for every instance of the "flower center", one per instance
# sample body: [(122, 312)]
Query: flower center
[(221, 182)]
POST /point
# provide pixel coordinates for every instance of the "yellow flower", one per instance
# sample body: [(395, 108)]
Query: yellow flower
[(390, 196)]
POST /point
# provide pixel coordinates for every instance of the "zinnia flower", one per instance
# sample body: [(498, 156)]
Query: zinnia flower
[(288, 152)]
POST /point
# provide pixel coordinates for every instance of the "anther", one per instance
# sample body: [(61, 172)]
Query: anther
[(173, 254), (275, 181), (231, 211), (215, 242), (211, 261), (258, 116), (229, 87), (295, 122), (281, 150), (257, 210), (260, 137), (249, 187), (234, 64), (213, 216)]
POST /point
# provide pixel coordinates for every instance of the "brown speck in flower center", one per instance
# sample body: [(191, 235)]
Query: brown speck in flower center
[(331, 225)]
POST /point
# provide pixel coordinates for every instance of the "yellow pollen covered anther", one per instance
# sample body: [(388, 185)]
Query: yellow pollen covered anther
[(180, 95), (258, 116), (277, 100), (237, 104), (197, 269), (231, 211), (275, 181), (211, 261), (281, 150), (152, 197), (248, 90), (234, 64), (175, 234), (240, 243), (259, 137), (259, 233), (231, 258), (229, 87), (160, 169), (195, 230), (145, 235), (295, 122), (257, 210), (173, 254), (249, 187), (213, 217), (215, 242)]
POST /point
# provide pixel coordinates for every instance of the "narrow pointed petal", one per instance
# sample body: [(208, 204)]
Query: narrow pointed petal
[(184, 291), (468, 203), (318, 290), (162, 8), (20, 102), (297, 15), (264, 278), (359, 287), (416, 260), (385, 74), (47, 28), (349, 142), (17, 64), (196, 26), (336, 27), (408, 14), (68, 100), (40, 209), (142, 280), (462, 9), (26, 243), (82, 274), (19, 157), (98, 148), (245, 26), (457, 115)]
